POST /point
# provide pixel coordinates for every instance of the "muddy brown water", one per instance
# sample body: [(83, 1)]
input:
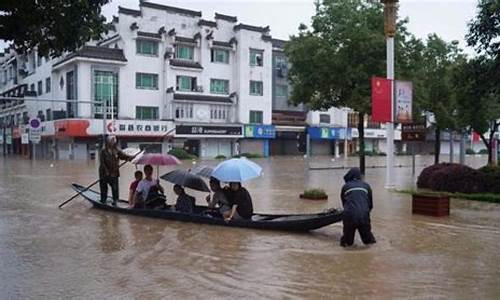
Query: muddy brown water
[(81, 252)]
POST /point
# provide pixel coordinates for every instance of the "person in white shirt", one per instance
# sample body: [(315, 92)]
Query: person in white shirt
[(144, 186)]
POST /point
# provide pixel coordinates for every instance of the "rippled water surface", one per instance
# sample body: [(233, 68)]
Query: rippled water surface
[(81, 252)]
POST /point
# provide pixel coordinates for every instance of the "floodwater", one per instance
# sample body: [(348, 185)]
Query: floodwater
[(81, 252)]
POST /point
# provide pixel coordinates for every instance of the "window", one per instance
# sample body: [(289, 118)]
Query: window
[(324, 118), (184, 52), (279, 61), (146, 81), (256, 88), (47, 85), (105, 85), (184, 111), (186, 84), (219, 112), (219, 86), (256, 57), (146, 113), (32, 87), (281, 90), (39, 60), (220, 55), (40, 88), (256, 117), (147, 47)]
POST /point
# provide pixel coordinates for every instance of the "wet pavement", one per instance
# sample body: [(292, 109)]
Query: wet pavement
[(80, 252)]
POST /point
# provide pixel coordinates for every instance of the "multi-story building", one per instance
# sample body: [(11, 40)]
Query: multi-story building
[(327, 131), (163, 75)]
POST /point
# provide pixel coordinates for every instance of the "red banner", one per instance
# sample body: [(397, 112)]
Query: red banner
[(381, 100)]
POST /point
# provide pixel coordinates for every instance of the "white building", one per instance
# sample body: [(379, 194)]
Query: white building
[(161, 72)]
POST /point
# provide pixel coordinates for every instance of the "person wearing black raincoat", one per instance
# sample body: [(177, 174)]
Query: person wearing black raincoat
[(357, 200)]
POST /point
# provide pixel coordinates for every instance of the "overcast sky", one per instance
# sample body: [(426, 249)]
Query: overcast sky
[(447, 18)]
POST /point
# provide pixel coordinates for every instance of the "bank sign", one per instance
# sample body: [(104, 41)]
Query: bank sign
[(260, 131), (328, 133)]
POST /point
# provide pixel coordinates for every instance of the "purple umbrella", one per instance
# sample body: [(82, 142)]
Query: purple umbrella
[(157, 159)]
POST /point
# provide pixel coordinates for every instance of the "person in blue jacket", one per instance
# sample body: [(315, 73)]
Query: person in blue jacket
[(357, 200)]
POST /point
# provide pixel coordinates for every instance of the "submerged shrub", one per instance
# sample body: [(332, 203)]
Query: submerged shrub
[(454, 178)]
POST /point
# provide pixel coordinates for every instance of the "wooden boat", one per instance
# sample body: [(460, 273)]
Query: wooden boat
[(296, 222)]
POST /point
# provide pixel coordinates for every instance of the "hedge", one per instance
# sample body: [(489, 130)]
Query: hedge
[(181, 153), (456, 178)]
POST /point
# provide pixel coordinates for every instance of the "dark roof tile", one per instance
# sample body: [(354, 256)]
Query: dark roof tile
[(97, 53), (207, 23), (128, 11), (171, 9), (185, 63), (185, 39), (251, 28), (203, 98), (226, 18), (149, 34)]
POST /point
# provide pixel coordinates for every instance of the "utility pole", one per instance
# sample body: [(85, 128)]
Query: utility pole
[(390, 16)]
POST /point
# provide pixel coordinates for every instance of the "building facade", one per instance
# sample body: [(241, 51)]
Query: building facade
[(163, 76)]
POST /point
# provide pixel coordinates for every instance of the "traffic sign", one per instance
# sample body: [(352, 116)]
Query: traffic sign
[(413, 132), (35, 123), (25, 139), (35, 136)]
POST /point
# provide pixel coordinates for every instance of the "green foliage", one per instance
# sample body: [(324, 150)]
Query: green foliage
[(470, 151), (484, 30), (52, 26), (483, 151), (220, 156), (315, 193), (181, 154), (332, 63), (248, 155)]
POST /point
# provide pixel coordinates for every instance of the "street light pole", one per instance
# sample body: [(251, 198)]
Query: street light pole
[(390, 16)]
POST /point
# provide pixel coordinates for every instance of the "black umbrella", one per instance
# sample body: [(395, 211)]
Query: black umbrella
[(186, 179), (204, 171)]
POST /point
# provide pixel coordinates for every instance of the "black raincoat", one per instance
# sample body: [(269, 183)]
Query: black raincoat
[(357, 200)]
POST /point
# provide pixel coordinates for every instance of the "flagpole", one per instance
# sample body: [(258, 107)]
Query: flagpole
[(390, 15)]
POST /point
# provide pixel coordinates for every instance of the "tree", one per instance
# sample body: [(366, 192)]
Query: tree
[(484, 29), (478, 100), (332, 63), (435, 88), (51, 26)]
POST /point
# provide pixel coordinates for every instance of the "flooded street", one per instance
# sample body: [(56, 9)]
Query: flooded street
[(81, 252)]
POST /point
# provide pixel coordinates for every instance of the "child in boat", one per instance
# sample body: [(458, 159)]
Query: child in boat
[(185, 203), (219, 200), (133, 188)]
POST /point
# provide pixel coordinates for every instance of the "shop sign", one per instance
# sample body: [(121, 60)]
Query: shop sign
[(208, 130), (260, 131), (327, 133)]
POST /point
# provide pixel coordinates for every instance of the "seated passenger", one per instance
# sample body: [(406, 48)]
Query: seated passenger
[(185, 203), (240, 201), (133, 188), (143, 188), (219, 200)]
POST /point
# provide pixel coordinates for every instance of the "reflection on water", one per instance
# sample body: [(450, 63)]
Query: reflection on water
[(83, 252)]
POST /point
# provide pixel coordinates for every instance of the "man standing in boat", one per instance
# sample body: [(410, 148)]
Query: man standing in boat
[(357, 200), (109, 165)]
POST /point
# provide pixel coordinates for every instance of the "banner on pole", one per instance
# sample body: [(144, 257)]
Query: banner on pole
[(403, 91), (381, 100)]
